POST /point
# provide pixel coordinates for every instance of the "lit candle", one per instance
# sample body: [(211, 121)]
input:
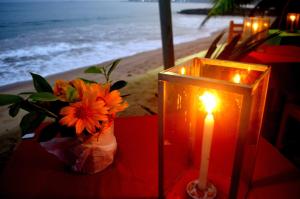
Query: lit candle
[(292, 18), (255, 27), (248, 24), (182, 71), (236, 78), (210, 103)]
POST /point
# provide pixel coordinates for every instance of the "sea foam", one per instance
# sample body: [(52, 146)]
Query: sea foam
[(64, 45)]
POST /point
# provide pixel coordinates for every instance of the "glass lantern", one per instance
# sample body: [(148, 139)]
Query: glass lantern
[(253, 25), (210, 116), (292, 21)]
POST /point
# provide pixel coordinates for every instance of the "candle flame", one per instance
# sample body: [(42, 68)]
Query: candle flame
[(209, 101), (236, 78), (248, 24), (182, 71), (255, 26), (293, 17), (265, 24)]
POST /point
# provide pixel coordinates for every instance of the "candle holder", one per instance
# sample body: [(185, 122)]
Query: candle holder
[(254, 25), (292, 22), (210, 115)]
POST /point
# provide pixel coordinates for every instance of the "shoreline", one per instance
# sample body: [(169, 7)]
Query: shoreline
[(140, 71), (70, 74)]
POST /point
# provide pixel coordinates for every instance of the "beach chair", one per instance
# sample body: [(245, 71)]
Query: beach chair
[(234, 29)]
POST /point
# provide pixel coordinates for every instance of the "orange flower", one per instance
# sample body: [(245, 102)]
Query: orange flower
[(85, 114), (60, 89), (80, 87), (113, 100), (69, 91)]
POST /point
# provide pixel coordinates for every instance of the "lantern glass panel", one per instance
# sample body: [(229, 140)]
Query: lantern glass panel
[(237, 121), (292, 22), (254, 25)]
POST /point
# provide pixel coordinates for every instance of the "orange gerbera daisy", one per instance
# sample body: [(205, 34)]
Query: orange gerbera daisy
[(80, 87), (113, 100), (85, 114), (60, 89)]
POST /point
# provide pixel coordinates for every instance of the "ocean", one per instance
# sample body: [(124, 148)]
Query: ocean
[(53, 37)]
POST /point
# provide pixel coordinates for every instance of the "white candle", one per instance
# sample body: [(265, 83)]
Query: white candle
[(236, 78), (292, 18), (210, 103), (205, 153), (255, 27), (182, 71)]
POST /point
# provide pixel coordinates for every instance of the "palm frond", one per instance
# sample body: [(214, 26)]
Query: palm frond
[(221, 7), (235, 50), (229, 48), (242, 51), (214, 44)]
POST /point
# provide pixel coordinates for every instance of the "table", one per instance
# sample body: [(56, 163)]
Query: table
[(33, 173), (285, 38), (270, 54), (283, 85)]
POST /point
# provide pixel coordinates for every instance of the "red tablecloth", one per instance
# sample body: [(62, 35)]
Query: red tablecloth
[(33, 173), (283, 85), (274, 55)]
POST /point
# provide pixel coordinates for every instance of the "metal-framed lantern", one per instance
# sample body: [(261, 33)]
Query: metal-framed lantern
[(253, 25), (292, 21), (210, 115)]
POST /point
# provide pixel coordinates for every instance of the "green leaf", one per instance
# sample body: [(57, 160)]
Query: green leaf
[(94, 69), (71, 93), (6, 99), (31, 121), (14, 109), (118, 85), (88, 81), (49, 132), (43, 96), (31, 106), (41, 84), (222, 7), (26, 93), (113, 66)]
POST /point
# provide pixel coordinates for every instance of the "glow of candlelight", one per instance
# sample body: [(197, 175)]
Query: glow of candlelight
[(248, 24), (292, 18), (255, 26), (182, 71), (236, 78), (209, 101)]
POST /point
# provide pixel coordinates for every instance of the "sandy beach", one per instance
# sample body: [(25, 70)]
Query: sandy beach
[(140, 71)]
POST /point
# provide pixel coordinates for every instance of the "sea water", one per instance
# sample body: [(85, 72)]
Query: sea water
[(53, 37)]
